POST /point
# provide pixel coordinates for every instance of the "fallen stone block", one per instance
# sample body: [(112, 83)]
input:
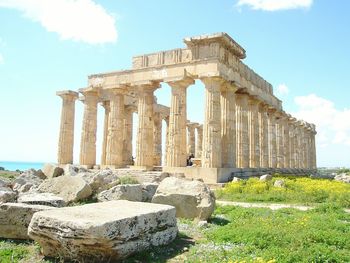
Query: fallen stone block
[(103, 232), (52, 170), (48, 199), (130, 192)]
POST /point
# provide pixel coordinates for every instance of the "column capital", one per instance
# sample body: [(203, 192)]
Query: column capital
[(105, 104), (210, 80), (121, 89), (68, 94), (146, 86), (192, 125), (181, 83)]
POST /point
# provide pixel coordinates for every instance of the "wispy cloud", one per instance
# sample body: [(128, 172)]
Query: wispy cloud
[(275, 5), (78, 20), (282, 90), (332, 124)]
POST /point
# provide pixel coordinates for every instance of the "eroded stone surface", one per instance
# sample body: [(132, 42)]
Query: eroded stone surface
[(103, 232), (7, 195), (52, 170), (130, 192), (15, 218), (192, 199), (48, 199)]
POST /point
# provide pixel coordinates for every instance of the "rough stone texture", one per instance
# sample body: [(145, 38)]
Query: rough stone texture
[(47, 199), (52, 170), (236, 179), (72, 170), (101, 180), (28, 181), (192, 199), (7, 195), (342, 178), (103, 232), (15, 218), (70, 188), (266, 177), (130, 192), (279, 183), (148, 191)]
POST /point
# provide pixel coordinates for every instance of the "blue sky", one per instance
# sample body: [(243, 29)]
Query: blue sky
[(300, 46)]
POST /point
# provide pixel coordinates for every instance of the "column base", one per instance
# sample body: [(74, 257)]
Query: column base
[(141, 168)]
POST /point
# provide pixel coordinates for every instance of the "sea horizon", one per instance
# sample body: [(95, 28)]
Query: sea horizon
[(21, 165)]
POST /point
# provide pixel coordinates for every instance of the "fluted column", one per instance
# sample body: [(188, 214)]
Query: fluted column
[(106, 105), (89, 128), (127, 135), (292, 137), (253, 128), (228, 125), (157, 135), (166, 119), (145, 142), (286, 141), (176, 156), (242, 137), (279, 140), (66, 136), (263, 135), (191, 138), (211, 151), (313, 147), (116, 126), (272, 138), (199, 142)]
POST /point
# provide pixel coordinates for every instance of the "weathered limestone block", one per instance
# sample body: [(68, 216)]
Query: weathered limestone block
[(47, 199), (192, 199), (266, 177), (7, 195), (103, 232), (52, 170), (279, 183), (70, 188), (130, 192), (15, 218), (101, 180), (72, 170), (28, 181), (342, 178)]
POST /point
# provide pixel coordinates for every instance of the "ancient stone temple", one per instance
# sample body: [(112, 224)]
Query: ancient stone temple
[(245, 129)]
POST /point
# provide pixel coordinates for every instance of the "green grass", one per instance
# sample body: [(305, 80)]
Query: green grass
[(286, 235), (301, 190), (12, 251), (8, 174)]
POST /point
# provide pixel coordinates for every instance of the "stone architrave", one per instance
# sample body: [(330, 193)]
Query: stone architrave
[(199, 142), (115, 149), (89, 128), (145, 142), (106, 105), (228, 125), (127, 135), (272, 138), (211, 151), (242, 157), (263, 135), (157, 136), (191, 138), (66, 137), (176, 155), (254, 144)]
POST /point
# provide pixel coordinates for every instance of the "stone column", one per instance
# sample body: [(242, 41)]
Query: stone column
[(127, 135), (211, 149), (263, 135), (157, 137), (145, 142), (66, 136), (253, 128), (313, 147), (297, 144), (286, 141), (191, 138), (228, 125), (199, 142), (242, 137), (106, 105), (166, 119), (176, 155), (116, 126), (279, 140), (291, 124), (89, 128), (272, 138)]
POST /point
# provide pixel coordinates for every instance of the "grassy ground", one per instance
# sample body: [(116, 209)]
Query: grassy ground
[(9, 175), (297, 190), (236, 234)]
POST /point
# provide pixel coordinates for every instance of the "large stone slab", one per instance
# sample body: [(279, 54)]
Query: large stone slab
[(192, 199), (103, 232), (70, 188), (48, 199), (15, 218)]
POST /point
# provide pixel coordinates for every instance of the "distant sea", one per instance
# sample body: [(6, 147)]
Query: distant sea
[(13, 166)]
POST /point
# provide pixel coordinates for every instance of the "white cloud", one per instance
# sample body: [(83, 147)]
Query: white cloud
[(78, 20), (1, 59), (282, 89), (275, 5), (332, 124)]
